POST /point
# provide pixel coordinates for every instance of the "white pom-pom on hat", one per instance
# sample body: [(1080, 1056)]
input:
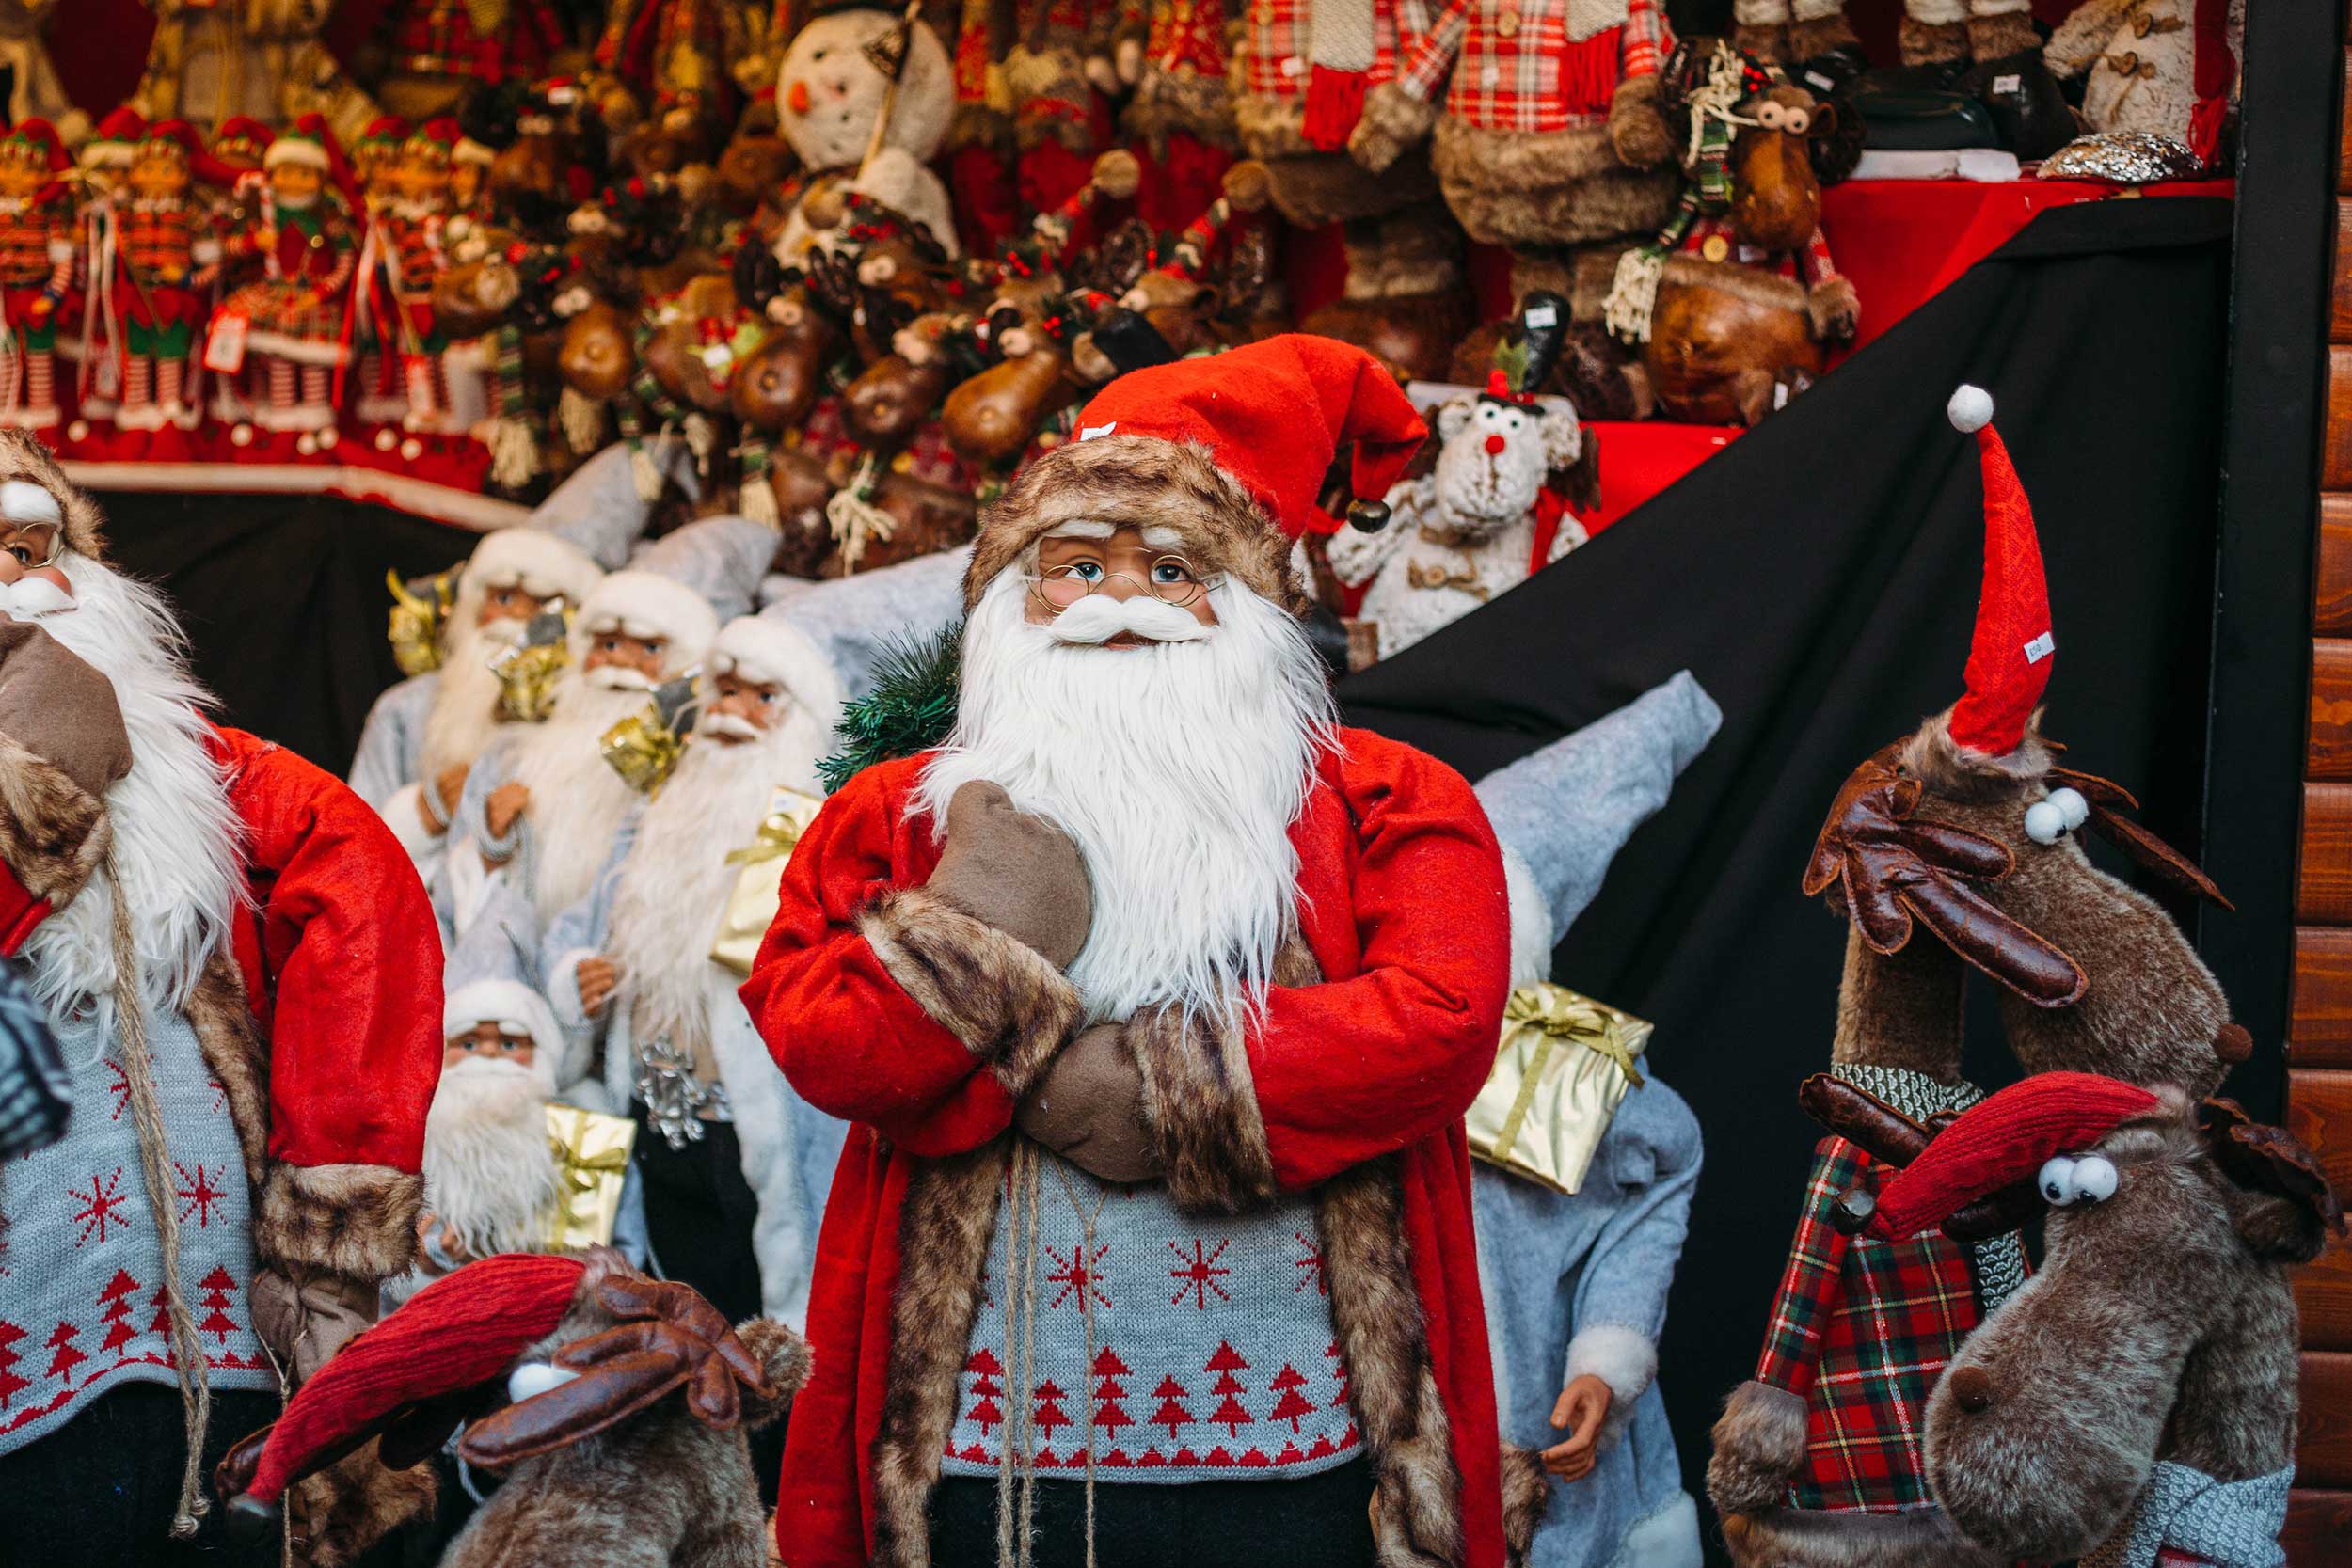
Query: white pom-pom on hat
[(1971, 409)]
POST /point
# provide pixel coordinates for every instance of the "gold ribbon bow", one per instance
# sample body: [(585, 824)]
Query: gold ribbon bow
[(592, 1152), (1544, 1106), (527, 681), (416, 624), (759, 885), (643, 751)]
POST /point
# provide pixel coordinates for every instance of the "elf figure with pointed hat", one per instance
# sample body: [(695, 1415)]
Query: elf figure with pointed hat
[(293, 316), (36, 267), (1155, 999), (162, 238)]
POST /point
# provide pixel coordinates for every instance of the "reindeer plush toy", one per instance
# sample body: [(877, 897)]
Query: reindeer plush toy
[(2135, 1402), (1487, 517), (616, 1404), (1965, 830)]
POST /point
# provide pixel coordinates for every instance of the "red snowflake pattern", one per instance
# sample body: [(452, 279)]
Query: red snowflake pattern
[(98, 1204), (1079, 1277), (1309, 1265), (1197, 1276), (118, 1089), (197, 1196)]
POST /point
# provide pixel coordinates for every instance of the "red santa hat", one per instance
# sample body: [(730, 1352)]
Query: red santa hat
[(2001, 1140), (1228, 451), (383, 137), (307, 141), (35, 141), (2010, 657), (455, 1334), (242, 135), (169, 137), (436, 139), (110, 144)]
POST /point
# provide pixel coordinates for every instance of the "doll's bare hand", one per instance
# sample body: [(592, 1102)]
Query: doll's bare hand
[(1582, 1408), (447, 788), (505, 807), (596, 978)]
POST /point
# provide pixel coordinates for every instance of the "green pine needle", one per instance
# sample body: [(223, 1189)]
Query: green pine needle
[(910, 709)]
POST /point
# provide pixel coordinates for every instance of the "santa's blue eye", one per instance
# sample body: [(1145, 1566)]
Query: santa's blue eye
[(1171, 571), (1087, 571)]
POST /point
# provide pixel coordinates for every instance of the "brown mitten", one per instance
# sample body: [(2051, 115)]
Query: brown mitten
[(1088, 1108), (1016, 872), (60, 709), (306, 1320), (1637, 127)]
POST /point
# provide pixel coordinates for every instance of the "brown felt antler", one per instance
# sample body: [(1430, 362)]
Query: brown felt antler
[(1895, 868), (2269, 1158), (2108, 800), (669, 1338)]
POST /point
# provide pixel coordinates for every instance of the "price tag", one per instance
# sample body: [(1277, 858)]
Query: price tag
[(2006, 84), (224, 347), (1819, 82), (1543, 315)]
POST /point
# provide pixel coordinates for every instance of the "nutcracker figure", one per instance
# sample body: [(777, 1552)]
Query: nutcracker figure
[(36, 265), (89, 317), (440, 48), (164, 239), (292, 319)]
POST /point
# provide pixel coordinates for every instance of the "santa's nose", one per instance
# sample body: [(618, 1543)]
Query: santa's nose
[(1494, 445)]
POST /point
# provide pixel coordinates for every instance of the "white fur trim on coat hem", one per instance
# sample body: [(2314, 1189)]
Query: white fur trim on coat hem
[(1666, 1537)]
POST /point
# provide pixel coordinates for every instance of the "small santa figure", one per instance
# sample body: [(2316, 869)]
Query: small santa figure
[(1155, 999), (736, 1164), (164, 239), (36, 266), (292, 318), (243, 970)]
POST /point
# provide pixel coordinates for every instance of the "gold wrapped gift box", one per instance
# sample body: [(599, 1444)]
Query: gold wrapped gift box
[(592, 1165), (758, 887), (1564, 1064)]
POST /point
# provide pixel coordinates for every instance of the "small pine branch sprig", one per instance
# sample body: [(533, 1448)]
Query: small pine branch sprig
[(910, 709)]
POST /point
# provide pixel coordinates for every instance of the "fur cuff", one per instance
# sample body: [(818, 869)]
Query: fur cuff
[(1009, 1007), (1624, 1358), (354, 1220), (563, 991), (1525, 1491), (1636, 127), (1834, 309), (1913, 1538), (1202, 1112), (1393, 119), (52, 831), (1760, 1443)]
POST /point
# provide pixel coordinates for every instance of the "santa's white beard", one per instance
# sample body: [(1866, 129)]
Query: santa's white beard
[(463, 719), (1177, 767), (489, 1173), (675, 883), (178, 849), (577, 801)]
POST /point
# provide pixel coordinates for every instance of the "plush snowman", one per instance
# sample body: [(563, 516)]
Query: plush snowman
[(1481, 522), (830, 90)]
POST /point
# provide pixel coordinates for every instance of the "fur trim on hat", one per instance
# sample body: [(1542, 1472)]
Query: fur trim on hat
[(1953, 769), (774, 652), (295, 150), (511, 1005), (1148, 482), (663, 608), (1553, 187), (24, 457), (538, 562)]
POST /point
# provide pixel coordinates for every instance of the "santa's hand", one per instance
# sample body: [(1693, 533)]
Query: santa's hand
[(1582, 1408), (1088, 1108), (1016, 872), (449, 788), (307, 1317), (59, 708), (596, 978), (504, 808)]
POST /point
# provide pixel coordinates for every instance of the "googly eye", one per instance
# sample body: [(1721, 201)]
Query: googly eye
[(2044, 822), (1771, 117), (2058, 1183), (2094, 1178), (535, 1377), (2072, 806), (1796, 122)]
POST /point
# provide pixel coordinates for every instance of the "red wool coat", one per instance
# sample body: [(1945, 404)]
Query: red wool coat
[(1402, 904)]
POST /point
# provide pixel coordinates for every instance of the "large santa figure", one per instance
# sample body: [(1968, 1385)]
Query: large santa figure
[(1156, 998), (734, 1165), (244, 973)]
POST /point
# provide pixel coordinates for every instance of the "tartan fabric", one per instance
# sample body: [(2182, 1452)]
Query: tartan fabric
[(437, 38), (36, 251), (156, 240), (1274, 44), (1810, 266), (1861, 1329), (1511, 65)]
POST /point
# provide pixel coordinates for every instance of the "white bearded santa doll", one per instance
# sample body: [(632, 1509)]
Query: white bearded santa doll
[(242, 968), (542, 807), (736, 1166), (1155, 999)]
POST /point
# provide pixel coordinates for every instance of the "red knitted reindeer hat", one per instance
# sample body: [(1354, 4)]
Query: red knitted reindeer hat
[(1228, 451), (2010, 657), (453, 1335), (2004, 1138)]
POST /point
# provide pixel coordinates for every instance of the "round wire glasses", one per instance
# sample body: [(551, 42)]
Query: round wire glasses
[(1169, 578)]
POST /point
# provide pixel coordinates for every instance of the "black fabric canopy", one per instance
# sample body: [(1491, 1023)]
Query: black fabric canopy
[(1820, 578)]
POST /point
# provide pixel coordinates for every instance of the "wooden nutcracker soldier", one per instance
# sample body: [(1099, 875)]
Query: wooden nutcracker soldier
[(292, 320), (164, 238), (36, 265)]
